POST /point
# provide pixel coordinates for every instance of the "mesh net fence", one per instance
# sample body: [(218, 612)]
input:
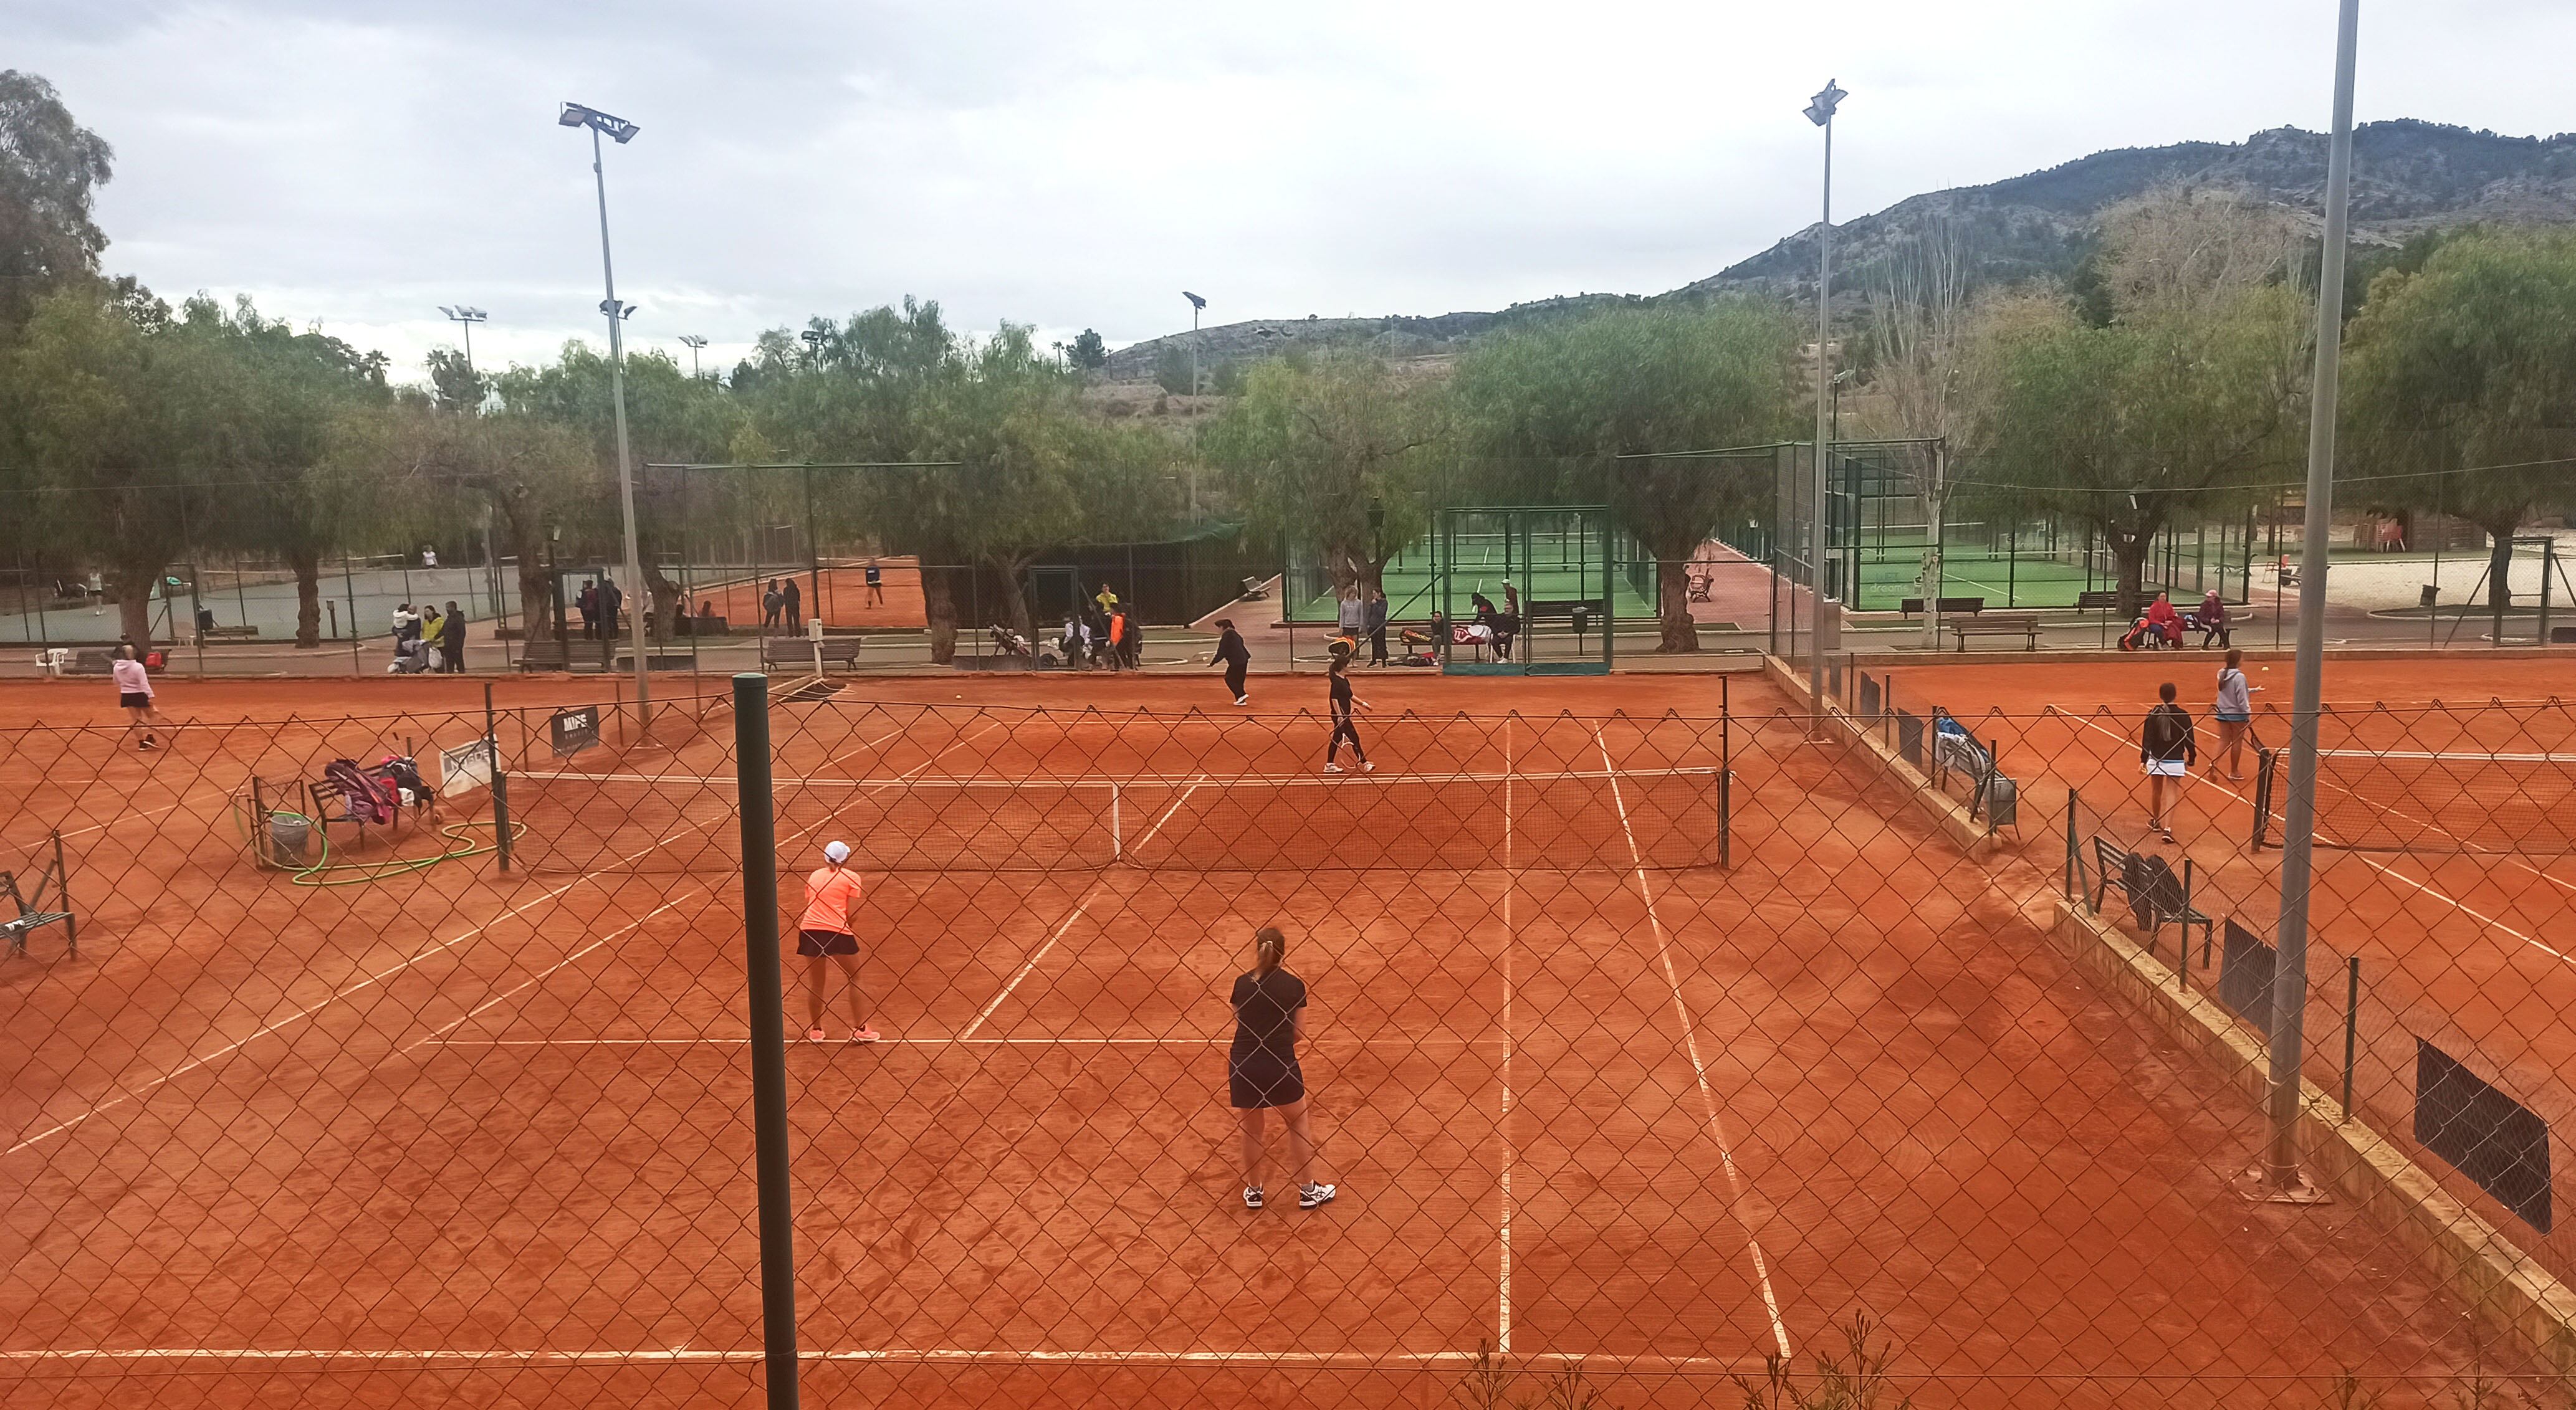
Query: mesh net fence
[(1658, 1058)]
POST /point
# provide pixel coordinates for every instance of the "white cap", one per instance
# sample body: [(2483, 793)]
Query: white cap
[(836, 852)]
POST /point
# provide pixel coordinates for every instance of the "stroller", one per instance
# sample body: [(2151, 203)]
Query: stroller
[(412, 657)]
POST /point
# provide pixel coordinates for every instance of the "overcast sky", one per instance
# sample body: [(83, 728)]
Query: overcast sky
[(1076, 166)]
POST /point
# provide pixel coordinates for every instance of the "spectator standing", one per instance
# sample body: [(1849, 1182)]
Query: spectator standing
[(1135, 643), (2166, 750), (1116, 647), (772, 603), (589, 602), (1376, 624), (1077, 636), (795, 601), (1106, 600), (1236, 657), (453, 641), (1350, 616), (612, 600)]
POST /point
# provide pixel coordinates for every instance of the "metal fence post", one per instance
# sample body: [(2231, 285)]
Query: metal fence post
[(500, 784), (765, 993)]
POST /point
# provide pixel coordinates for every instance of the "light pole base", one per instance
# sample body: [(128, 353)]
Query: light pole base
[(2258, 1185)]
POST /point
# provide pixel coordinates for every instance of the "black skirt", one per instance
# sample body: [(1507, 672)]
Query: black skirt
[(1259, 1080)]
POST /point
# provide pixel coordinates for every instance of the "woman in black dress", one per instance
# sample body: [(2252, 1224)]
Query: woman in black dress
[(1340, 684), (1261, 1068), (1237, 658)]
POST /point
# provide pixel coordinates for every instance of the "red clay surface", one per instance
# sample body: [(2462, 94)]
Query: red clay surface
[(2472, 952), (460, 1136), (838, 595)]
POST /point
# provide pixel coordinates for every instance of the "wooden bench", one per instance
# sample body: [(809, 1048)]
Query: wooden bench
[(31, 917), (842, 651), (1950, 606), (2097, 600), (545, 653), (2152, 913), (228, 633), (2021, 624)]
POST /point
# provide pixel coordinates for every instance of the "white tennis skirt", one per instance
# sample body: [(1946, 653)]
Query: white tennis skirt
[(2165, 768)]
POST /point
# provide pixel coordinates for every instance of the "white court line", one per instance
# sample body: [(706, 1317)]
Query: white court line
[(1690, 1043), (2373, 863), (380, 976), (1503, 1122), (1397, 1044), (683, 1355), (1088, 896), (1112, 780)]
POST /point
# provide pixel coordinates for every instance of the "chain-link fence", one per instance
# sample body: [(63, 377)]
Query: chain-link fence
[(1649, 1057)]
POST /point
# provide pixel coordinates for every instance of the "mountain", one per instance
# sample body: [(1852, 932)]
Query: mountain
[(2408, 176)]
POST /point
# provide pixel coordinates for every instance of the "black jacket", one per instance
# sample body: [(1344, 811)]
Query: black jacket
[(2167, 735), (1231, 650)]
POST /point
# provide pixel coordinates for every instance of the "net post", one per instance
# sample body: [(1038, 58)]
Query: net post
[(1117, 827), (262, 847), (1725, 817), (2262, 793), (766, 996), (2351, 1018), (2182, 939), (63, 894), (500, 785)]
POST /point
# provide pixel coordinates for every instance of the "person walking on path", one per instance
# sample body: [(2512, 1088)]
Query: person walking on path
[(452, 640), (134, 695), (2167, 751), (876, 583), (827, 936), (1375, 621), (795, 607), (2234, 710), (772, 602), (1339, 684), (1236, 656), (1261, 1069)]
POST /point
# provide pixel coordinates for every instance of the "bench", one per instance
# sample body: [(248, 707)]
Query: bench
[(545, 653), (327, 794), (1255, 590), (227, 633), (2151, 912), (798, 651), (91, 662), (30, 917), (1950, 606), (2021, 624), (2097, 600)]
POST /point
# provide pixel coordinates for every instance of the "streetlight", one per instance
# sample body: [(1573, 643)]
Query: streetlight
[(693, 343), (622, 132), (1196, 305), (469, 317), (1820, 111), (814, 339)]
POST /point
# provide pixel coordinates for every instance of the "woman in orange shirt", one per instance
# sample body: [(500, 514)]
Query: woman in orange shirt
[(825, 937)]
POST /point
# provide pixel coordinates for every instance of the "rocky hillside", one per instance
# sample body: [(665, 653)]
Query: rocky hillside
[(2407, 176)]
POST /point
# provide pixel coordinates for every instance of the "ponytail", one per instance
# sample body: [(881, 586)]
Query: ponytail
[(1268, 948)]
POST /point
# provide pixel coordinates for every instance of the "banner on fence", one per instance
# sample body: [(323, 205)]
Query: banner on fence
[(573, 731), (465, 768)]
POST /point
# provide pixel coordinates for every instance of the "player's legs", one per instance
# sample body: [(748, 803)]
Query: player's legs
[(1249, 1119), (850, 984), (817, 967), (1301, 1142)]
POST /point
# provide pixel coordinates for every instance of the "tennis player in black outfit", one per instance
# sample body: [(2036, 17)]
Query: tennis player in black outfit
[(1261, 1068), (1340, 681), (1237, 658)]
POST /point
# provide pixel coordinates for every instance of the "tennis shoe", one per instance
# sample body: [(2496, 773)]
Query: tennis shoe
[(1243, 700), (1314, 1195), (866, 1035), (1366, 767), (813, 1035), (1252, 1196), (1332, 768)]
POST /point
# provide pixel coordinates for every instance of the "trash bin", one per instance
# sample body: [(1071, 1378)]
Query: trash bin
[(288, 835)]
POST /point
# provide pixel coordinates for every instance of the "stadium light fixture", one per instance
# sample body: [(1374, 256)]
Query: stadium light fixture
[(622, 132), (1197, 306), (469, 317), (694, 344), (1820, 111)]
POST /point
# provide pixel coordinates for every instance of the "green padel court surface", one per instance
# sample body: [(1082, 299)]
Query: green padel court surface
[(1413, 589)]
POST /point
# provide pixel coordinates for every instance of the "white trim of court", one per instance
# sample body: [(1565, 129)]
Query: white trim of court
[(2437, 893), (1326, 1043), (1503, 1116), (1089, 780), (683, 1355), (1090, 894), (1690, 1044)]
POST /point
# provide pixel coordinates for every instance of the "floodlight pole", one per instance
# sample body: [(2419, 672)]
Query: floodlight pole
[(625, 462), (2298, 824), (1820, 111)]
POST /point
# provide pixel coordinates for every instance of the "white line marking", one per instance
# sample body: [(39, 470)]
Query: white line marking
[(1690, 1043), (1089, 894), (1503, 1123), (1396, 1044), (1098, 781), (682, 1355), (2210, 781)]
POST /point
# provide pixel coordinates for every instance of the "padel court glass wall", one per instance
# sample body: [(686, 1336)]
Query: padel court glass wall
[(1564, 564)]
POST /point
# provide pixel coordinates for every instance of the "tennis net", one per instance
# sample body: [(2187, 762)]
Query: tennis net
[(605, 823), (2412, 801)]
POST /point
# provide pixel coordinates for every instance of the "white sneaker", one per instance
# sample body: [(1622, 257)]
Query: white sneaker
[(1314, 1195), (1366, 767), (1243, 700), (1332, 768), (1252, 1196)]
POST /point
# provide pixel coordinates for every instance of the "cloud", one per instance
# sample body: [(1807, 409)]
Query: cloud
[(1071, 166)]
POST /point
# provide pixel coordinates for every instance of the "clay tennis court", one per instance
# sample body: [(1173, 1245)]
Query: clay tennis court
[(1601, 1086), (2454, 890)]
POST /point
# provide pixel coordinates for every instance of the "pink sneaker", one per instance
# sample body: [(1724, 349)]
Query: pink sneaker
[(813, 1035), (864, 1035)]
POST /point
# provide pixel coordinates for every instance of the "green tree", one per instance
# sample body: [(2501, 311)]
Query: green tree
[(1564, 399), (1172, 369), (1090, 353), (2466, 369), (49, 166), (455, 383), (2191, 394), (1315, 446)]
